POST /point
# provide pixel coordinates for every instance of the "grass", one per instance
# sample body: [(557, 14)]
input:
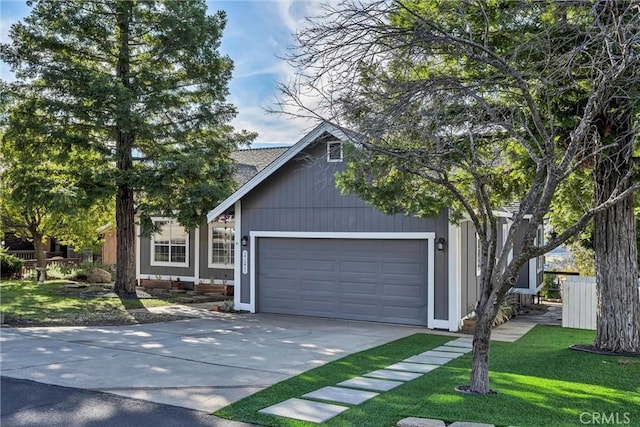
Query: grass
[(33, 302), (540, 382)]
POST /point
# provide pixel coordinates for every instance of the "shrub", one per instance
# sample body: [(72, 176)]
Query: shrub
[(550, 289), (507, 309), (10, 266)]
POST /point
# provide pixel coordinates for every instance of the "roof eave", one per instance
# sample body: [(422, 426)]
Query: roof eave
[(275, 165)]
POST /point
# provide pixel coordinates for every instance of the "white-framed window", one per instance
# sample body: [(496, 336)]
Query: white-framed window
[(334, 151), (221, 245), (170, 244), (478, 256)]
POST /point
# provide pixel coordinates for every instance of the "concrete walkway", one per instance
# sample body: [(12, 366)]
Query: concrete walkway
[(520, 325)]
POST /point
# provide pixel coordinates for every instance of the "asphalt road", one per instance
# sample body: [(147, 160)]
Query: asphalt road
[(33, 404)]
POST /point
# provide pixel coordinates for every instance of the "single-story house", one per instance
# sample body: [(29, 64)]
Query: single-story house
[(296, 245)]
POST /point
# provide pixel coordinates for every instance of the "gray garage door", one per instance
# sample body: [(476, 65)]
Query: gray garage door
[(373, 280)]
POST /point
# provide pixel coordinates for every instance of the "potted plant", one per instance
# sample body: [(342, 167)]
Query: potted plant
[(469, 322)]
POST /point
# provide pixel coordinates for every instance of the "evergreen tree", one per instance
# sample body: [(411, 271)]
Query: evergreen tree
[(143, 83)]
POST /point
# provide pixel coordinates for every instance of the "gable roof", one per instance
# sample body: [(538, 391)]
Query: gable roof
[(252, 160), (319, 131)]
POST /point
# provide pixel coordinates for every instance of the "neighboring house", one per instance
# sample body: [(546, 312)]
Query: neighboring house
[(291, 243), (107, 235), (205, 255), (24, 249)]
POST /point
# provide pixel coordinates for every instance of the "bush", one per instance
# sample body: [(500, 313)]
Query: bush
[(507, 309), (10, 266), (550, 289), (80, 272)]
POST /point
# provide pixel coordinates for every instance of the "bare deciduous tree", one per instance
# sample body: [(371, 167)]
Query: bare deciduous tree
[(464, 105)]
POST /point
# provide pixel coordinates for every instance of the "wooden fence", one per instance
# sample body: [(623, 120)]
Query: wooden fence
[(29, 265), (31, 254), (579, 302)]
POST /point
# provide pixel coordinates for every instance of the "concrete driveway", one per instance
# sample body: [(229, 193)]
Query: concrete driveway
[(203, 363)]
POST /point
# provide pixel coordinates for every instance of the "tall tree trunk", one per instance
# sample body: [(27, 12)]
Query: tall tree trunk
[(481, 340), (618, 307), (125, 137), (41, 256)]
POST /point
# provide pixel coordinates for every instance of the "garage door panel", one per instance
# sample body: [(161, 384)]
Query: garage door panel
[(318, 265), (358, 266), (354, 288), (358, 308), (318, 306), (401, 268), (405, 292), (360, 279), (314, 287)]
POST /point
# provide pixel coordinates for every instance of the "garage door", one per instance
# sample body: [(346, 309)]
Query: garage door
[(373, 280)]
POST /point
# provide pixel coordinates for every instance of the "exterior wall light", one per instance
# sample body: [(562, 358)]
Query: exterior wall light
[(244, 241), (441, 243)]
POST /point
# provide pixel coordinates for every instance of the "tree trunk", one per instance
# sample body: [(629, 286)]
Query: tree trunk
[(618, 308), (41, 256), (480, 362), (125, 137)]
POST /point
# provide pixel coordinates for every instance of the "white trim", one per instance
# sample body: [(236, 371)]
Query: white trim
[(344, 235), (154, 263), (217, 224), (533, 273), (454, 259), (275, 165), (138, 250), (432, 323), (238, 305), (252, 271), (540, 233), (329, 159), (478, 255), (196, 254), (183, 278)]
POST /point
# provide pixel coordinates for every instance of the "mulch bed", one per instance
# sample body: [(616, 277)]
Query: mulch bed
[(591, 349), (466, 389), (115, 318)]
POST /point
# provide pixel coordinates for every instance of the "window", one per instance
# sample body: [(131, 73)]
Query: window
[(221, 247), (334, 151), (170, 244)]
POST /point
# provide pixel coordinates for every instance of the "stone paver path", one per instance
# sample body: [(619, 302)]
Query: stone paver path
[(360, 389)]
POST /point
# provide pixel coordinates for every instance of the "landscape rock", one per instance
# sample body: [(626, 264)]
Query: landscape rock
[(98, 275)]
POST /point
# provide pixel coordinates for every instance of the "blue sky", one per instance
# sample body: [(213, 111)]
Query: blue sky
[(257, 33)]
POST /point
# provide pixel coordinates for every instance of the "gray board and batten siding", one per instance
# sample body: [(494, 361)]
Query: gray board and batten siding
[(301, 196), (469, 292)]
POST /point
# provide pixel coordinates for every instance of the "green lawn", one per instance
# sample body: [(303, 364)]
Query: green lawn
[(540, 382), (51, 301)]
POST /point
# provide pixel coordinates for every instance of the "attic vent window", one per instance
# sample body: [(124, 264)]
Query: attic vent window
[(334, 151)]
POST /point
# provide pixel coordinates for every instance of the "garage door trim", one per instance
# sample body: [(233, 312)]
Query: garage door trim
[(428, 236)]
